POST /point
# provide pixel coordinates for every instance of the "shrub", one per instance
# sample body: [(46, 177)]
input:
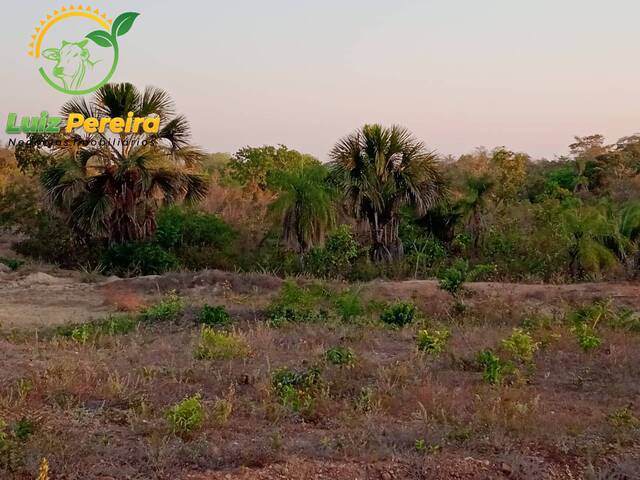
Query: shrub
[(179, 226), (214, 316), (337, 257), (139, 258), (452, 279), (13, 263), (349, 305), (23, 429), (170, 308), (433, 342), (222, 410), (215, 345), (341, 356), (399, 314), (494, 369), (294, 304), (186, 416), (520, 345), (297, 390), (587, 337), (84, 332)]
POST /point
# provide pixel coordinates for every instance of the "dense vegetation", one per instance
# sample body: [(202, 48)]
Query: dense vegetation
[(383, 206)]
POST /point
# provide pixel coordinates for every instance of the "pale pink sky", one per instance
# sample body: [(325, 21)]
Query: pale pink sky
[(459, 74)]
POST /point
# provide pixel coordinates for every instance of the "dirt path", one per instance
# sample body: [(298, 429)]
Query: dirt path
[(39, 299)]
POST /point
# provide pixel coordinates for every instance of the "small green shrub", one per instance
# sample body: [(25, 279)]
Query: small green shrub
[(494, 369), (222, 410), (214, 316), (216, 345), (297, 390), (587, 337), (520, 345), (186, 416), (294, 304), (336, 258), (453, 278), (13, 263), (399, 314), (84, 332), (433, 342), (169, 309), (139, 258), (341, 356), (23, 429), (348, 305)]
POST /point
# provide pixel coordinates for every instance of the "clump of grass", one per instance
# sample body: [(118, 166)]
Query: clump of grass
[(186, 416), (297, 390), (214, 316), (222, 410), (433, 342), (340, 356), (169, 309), (520, 345), (494, 369), (85, 332), (294, 304), (13, 263), (216, 345), (399, 314)]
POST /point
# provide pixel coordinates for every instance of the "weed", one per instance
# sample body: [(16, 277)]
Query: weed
[(297, 390), (222, 410), (214, 316), (294, 304), (349, 305), (433, 342), (587, 337), (215, 345), (494, 369), (623, 418), (84, 332), (13, 263), (170, 308), (520, 345), (399, 314), (186, 416), (23, 429), (341, 356)]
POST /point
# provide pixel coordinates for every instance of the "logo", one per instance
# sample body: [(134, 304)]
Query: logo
[(75, 62)]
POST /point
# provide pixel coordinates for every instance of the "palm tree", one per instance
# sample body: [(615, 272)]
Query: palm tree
[(305, 204), (380, 170), (472, 206), (110, 188), (630, 228)]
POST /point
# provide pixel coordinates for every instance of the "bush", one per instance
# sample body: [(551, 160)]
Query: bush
[(294, 304), (186, 416), (520, 345), (340, 356), (336, 259), (169, 309), (13, 263), (452, 279), (587, 337), (433, 342), (494, 369), (138, 258), (297, 390), (215, 345), (399, 314), (349, 305), (84, 332), (216, 316), (179, 226)]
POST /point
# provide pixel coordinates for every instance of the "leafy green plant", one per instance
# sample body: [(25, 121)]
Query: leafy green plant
[(293, 304), (587, 337), (336, 259), (169, 309), (213, 316), (222, 410), (84, 332), (139, 258), (341, 356), (297, 390), (216, 345), (348, 305), (520, 345), (433, 342), (186, 416), (399, 314), (23, 429), (13, 263), (494, 369)]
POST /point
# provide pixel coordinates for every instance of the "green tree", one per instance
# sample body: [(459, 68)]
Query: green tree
[(305, 204), (111, 188), (380, 170), (472, 207)]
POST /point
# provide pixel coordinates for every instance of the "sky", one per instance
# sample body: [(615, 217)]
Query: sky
[(458, 73)]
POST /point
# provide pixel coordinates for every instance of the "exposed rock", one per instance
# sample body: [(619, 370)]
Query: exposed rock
[(41, 278), (4, 268)]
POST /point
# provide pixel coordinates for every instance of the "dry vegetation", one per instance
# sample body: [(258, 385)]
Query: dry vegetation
[(135, 401)]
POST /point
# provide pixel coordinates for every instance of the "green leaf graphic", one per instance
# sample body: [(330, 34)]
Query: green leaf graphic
[(101, 38), (123, 23)]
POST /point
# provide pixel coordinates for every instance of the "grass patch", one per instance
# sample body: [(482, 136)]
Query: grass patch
[(215, 345)]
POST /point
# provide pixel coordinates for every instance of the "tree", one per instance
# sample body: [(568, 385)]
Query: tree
[(473, 205), (510, 173), (304, 205), (110, 189), (380, 170)]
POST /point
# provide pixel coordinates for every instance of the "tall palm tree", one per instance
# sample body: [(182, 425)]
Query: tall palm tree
[(305, 204), (380, 170), (110, 187)]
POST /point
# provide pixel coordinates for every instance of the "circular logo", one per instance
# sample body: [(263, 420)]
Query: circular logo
[(77, 47)]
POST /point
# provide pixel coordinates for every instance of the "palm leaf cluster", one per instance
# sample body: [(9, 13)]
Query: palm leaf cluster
[(110, 187)]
